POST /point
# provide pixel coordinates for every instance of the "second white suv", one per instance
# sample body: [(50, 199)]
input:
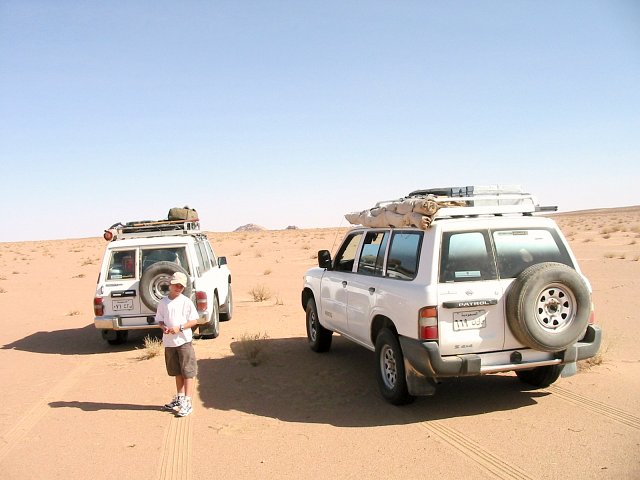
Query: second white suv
[(487, 287), (135, 274)]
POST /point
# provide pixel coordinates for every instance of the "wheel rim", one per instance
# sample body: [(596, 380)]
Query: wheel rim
[(160, 286), (313, 328), (388, 366), (555, 307)]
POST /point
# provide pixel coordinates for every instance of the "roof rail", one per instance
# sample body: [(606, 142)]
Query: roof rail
[(149, 228)]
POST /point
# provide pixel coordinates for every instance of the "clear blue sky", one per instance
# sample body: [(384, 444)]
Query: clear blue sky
[(295, 112)]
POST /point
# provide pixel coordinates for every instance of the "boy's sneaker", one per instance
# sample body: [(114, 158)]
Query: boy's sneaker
[(185, 408), (174, 404)]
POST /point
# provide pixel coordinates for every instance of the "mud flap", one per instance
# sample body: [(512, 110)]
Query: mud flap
[(418, 384), (569, 370)]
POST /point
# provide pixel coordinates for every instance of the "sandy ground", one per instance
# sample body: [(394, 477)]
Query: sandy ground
[(76, 408)]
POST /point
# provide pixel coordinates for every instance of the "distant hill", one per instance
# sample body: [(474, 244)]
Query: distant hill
[(249, 227)]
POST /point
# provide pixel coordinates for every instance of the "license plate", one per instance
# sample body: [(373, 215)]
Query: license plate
[(124, 304), (469, 320)]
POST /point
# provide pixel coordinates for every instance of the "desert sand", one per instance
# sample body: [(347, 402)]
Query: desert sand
[(76, 408)]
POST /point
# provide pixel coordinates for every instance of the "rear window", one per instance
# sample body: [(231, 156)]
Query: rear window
[(518, 249), (175, 255), (122, 264), (466, 257)]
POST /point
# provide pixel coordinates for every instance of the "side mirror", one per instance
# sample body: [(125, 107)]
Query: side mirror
[(324, 259), (222, 261)]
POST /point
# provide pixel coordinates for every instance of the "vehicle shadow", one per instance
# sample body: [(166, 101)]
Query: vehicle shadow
[(294, 384), (76, 341)]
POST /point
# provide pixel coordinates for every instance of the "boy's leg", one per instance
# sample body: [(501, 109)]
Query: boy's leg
[(180, 385), (188, 386)]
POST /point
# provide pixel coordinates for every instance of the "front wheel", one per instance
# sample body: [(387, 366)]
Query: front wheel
[(390, 369), (226, 312), (540, 377), (319, 337)]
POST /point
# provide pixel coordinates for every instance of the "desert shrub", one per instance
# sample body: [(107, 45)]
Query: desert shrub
[(73, 313), (260, 293), (152, 348), (267, 271), (253, 347)]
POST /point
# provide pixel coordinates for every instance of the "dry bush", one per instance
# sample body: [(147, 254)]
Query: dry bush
[(152, 348), (2, 290), (73, 313), (606, 236), (81, 275), (609, 255), (253, 347), (237, 253), (267, 271), (88, 261), (260, 293), (279, 300)]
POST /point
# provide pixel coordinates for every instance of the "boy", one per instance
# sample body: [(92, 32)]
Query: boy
[(176, 315)]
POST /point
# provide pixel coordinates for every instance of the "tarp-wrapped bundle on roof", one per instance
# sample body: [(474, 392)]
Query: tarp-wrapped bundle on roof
[(410, 212)]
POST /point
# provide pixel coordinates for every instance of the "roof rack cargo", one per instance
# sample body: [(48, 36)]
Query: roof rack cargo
[(482, 200), (151, 228)]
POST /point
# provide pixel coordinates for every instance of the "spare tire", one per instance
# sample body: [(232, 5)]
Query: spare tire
[(155, 280), (548, 307)]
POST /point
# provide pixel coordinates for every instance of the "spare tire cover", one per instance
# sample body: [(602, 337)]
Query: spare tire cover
[(155, 282), (548, 307)]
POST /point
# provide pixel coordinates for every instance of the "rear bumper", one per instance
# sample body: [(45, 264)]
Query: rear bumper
[(142, 322), (423, 359)]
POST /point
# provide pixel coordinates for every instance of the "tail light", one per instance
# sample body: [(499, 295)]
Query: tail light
[(428, 323), (592, 315), (98, 306), (201, 301)]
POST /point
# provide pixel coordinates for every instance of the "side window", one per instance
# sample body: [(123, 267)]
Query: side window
[(122, 265), (171, 254), (372, 255), (203, 260), (518, 249), (465, 257), (212, 256), (347, 254), (404, 254)]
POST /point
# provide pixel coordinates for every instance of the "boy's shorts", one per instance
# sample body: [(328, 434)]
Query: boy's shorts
[(181, 360)]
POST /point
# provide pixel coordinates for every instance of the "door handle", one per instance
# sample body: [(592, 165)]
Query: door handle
[(344, 283), (372, 290)]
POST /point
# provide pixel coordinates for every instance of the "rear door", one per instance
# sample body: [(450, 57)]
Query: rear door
[(121, 281), (470, 296)]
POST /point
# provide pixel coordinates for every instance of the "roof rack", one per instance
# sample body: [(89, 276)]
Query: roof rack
[(478, 200), (150, 228)]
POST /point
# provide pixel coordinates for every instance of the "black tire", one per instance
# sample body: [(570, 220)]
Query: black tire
[(540, 377), (155, 280), (121, 337), (390, 371), (319, 337), (212, 329), (548, 307), (227, 309)]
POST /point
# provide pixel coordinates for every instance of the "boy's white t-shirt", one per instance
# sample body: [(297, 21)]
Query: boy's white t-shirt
[(173, 313)]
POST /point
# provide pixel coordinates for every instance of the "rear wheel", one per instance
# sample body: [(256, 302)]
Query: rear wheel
[(212, 329), (540, 377), (121, 337), (319, 337), (390, 369)]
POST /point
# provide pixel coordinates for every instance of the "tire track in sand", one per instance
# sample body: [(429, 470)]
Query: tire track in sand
[(30, 419), (600, 408), (176, 450), (491, 463)]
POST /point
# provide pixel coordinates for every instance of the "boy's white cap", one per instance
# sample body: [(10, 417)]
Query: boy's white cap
[(180, 278)]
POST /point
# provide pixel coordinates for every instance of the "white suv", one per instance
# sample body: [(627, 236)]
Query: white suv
[(135, 273), (486, 287)]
